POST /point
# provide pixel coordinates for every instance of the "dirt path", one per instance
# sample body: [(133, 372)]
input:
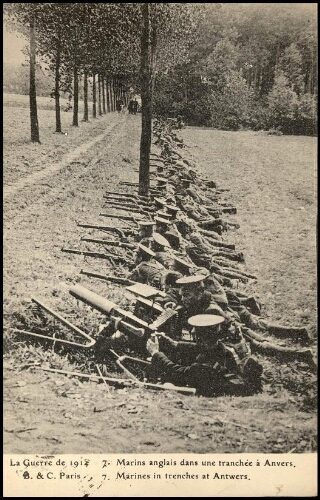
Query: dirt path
[(55, 167)]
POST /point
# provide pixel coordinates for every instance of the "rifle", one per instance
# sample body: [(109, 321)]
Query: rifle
[(121, 382), (129, 201), (97, 255), (111, 243), (152, 189), (141, 198), (141, 290), (150, 172), (130, 208), (132, 200), (113, 279), (124, 217), (122, 232), (147, 364), (114, 381), (124, 183)]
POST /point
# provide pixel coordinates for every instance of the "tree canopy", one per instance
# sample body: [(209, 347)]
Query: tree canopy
[(218, 64)]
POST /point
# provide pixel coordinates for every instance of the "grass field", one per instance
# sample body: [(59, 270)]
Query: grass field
[(272, 183)]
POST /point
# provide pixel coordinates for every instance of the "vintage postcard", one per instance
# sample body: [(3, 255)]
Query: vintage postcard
[(160, 210)]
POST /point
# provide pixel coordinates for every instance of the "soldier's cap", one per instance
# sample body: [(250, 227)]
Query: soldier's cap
[(170, 200), (204, 271), (161, 220), (161, 240), (190, 280), (161, 180), (180, 163), (146, 250), (164, 215), (182, 264), (171, 169), (172, 208), (192, 172), (160, 201), (146, 223), (205, 320)]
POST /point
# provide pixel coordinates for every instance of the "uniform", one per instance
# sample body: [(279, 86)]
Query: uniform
[(223, 366), (149, 273), (283, 331), (194, 299)]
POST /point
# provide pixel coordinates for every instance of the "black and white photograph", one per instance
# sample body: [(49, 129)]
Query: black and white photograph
[(160, 249)]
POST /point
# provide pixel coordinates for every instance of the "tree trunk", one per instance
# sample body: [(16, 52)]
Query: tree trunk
[(108, 95), (35, 137), (103, 95), (57, 90), (94, 97), (125, 99), (75, 96), (114, 93), (99, 94), (85, 98), (146, 98)]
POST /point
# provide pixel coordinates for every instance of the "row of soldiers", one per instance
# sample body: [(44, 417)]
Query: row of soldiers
[(188, 274)]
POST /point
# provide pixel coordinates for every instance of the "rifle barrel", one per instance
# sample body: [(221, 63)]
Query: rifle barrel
[(110, 243), (123, 382), (115, 279), (128, 201), (128, 208), (129, 195), (124, 217), (125, 230), (96, 255)]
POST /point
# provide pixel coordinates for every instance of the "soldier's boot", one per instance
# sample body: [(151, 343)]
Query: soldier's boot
[(252, 372), (293, 332), (249, 319), (237, 256), (252, 304), (229, 210)]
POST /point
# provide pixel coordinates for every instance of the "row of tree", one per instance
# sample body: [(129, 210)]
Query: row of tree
[(252, 65), (113, 44)]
